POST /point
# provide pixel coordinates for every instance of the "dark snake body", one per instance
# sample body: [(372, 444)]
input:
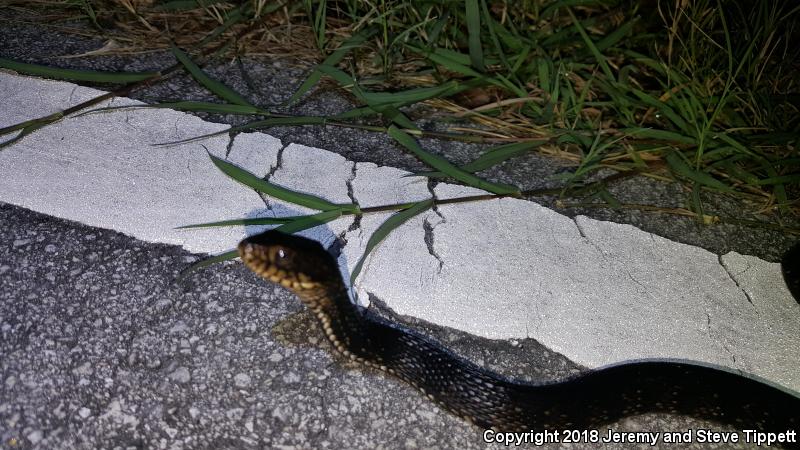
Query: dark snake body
[(491, 401)]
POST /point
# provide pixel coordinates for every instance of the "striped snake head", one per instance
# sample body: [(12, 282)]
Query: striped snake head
[(296, 263)]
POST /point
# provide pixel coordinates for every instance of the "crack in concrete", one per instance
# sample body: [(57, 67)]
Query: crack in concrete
[(733, 278), (426, 225), (605, 258), (356, 224), (231, 138), (278, 163), (72, 93), (590, 241), (580, 230), (272, 169), (431, 188), (639, 283), (711, 334)]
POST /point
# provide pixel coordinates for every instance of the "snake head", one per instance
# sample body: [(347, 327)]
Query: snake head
[(294, 262)]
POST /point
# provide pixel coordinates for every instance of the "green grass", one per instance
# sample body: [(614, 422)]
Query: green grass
[(701, 92)]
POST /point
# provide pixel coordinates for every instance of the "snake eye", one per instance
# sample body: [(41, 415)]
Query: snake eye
[(279, 255)]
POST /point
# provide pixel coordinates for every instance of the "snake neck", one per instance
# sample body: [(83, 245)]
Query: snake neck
[(343, 322)]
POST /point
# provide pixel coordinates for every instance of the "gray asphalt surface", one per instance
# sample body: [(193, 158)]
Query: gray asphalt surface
[(102, 348)]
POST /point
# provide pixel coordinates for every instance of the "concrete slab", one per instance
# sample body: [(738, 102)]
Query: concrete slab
[(596, 291), (686, 303), (102, 170)]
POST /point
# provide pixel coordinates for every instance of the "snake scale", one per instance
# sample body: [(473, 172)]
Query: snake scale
[(489, 400)]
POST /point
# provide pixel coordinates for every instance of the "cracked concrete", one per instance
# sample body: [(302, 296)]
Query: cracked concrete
[(597, 292), (272, 169), (735, 280), (101, 169), (429, 241), (429, 226)]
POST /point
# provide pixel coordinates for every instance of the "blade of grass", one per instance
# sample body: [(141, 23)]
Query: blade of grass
[(437, 57), (433, 34), (318, 20), (660, 135), (608, 198), (411, 96), (634, 154), (219, 108), (256, 124), (780, 179), (491, 158), (32, 123), (219, 89), (75, 75), (458, 57), (473, 15), (697, 202), (442, 165), (601, 60), (733, 170), (544, 67), (234, 17), (390, 112), (385, 228), (25, 131), (491, 25), (663, 108), (332, 60), (680, 167), (778, 188), (184, 5), (355, 113), (245, 222), (224, 108), (311, 221), (615, 36), (397, 117), (273, 190)]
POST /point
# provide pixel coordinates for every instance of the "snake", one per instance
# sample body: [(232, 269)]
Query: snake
[(487, 399)]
